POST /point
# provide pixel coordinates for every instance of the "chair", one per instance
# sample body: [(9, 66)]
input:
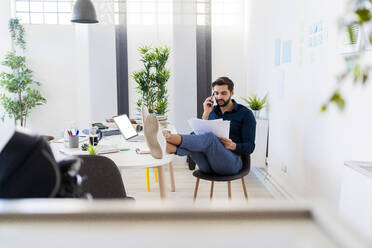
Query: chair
[(246, 159), (103, 178)]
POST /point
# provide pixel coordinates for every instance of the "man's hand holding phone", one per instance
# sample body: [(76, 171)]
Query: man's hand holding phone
[(208, 107)]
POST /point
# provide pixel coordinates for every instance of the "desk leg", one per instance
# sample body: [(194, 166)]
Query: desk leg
[(163, 192), (171, 172)]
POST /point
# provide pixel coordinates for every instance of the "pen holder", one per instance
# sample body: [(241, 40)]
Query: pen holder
[(73, 141)]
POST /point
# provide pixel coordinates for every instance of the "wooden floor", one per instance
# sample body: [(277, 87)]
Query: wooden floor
[(135, 185)]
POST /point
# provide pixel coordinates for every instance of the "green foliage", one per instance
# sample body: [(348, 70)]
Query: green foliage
[(92, 150), (151, 80), (254, 102), (20, 94), (17, 32), (355, 69)]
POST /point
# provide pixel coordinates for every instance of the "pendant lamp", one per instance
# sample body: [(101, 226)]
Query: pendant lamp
[(84, 12)]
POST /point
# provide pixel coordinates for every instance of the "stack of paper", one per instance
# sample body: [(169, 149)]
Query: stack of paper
[(219, 127)]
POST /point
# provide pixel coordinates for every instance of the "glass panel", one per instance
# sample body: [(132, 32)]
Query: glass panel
[(64, 7), (217, 8), (148, 19), (22, 6), (164, 7), (50, 18), (50, 6), (134, 7), (36, 6), (116, 7), (148, 7), (231, 8), (117, 19), (200, 8), (164, 19), (64, 18), (24, 17), (134, 19), (200, 20), (37, 18)]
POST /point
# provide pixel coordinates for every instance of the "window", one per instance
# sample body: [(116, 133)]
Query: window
[(44, 11), (226, 12), (203, 12), (149, 12)]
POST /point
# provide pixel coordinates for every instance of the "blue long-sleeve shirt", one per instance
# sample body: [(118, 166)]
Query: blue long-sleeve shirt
[(242, 126)]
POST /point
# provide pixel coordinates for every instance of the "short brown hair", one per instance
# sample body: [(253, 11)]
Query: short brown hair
[(224, 81)]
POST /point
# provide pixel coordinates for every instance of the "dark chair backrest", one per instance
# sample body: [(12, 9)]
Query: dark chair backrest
[(28, 168), (103, 177), (246, 159)]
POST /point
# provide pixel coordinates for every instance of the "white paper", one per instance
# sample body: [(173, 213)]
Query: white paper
[(219, 127)]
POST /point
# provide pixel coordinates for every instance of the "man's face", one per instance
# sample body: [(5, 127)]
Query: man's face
[(222, 95)]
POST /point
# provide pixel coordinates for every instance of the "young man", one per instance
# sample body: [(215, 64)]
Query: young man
[(215, 154)]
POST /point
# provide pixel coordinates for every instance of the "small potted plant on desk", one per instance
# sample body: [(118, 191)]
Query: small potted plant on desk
[(256, 104)]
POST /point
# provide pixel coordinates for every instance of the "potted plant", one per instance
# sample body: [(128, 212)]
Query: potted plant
[(151, 80), (21, 94), (256, 104)]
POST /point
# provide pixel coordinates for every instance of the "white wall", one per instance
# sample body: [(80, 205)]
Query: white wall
[(313, 146), (76, 65), (228, 47)]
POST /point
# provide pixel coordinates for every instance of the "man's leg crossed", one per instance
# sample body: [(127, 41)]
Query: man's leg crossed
[(221, 160)]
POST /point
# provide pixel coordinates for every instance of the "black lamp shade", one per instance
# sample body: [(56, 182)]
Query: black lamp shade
[(84, 12)]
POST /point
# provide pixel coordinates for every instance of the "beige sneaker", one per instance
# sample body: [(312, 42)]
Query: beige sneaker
[(144, 114), (154, 137)]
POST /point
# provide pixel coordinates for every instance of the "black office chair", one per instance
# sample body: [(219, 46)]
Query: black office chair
[(246, 159), (103, 178), (28, 170)]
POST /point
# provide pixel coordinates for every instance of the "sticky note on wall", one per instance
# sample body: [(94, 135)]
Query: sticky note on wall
[(287, 51), (277, 52)]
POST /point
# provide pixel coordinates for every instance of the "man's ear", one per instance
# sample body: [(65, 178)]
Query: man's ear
[(232, 92)]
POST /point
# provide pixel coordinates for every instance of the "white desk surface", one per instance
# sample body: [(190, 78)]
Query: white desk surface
[(123, 159)]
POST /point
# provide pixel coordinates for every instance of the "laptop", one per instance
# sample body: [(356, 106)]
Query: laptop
[(127, 130)]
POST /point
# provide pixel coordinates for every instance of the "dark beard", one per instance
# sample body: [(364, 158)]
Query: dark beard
[(224, 102)]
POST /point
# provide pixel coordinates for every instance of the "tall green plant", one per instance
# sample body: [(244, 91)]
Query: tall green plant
[(151, 80), (20, 93)]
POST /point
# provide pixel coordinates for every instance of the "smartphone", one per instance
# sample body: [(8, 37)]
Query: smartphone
[(212, 102)]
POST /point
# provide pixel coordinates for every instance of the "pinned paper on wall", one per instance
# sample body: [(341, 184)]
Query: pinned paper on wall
[(287, 51), (277, 52), (318, 32)]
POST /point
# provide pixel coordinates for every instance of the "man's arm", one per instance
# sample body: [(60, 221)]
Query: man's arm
[(208, 107), (205, 115), (248, 135)]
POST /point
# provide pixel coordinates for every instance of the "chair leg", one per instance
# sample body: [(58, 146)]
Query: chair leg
[(196, 188), (229, 189), (211, 194), (244, 189), (156, 175), (147, 180)]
